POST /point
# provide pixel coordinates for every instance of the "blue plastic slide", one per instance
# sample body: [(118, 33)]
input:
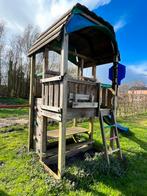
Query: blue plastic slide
[(107, 120)]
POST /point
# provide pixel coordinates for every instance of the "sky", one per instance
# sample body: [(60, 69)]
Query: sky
[(128, 18)]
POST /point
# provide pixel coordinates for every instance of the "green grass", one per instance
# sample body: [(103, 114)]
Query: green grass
[(6, 113), (13, 101), (21, 173)]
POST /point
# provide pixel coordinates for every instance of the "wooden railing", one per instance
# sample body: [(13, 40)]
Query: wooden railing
[(51, 93), (107, 95)]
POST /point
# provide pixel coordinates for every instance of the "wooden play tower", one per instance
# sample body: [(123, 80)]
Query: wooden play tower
[(86, 40)]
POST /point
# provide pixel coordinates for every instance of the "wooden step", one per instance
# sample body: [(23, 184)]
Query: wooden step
[(69, 132)]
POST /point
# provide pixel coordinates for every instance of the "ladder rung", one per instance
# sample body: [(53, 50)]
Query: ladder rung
[(112, 138), (116, 150), (110, 126)]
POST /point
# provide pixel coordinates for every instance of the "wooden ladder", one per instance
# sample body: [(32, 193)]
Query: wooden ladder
[(113, 134)]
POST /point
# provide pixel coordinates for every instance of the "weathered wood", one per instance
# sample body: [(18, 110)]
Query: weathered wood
[(53, 73), (31, 103), (103, 134), (38, 124), (46, 94), (115, 83), (52, 115), (51, 79), (80, 113), (69, 132), (78, 55), (51, 94), (71, 150), (50, 172), (63, 105), (51, 108), (56, 94), (73, 80), (94, 71), (64, 54), (84, 105), (81, 97), (43, 139), (91, 124), (91, 120), (54, 30), (74, 122)]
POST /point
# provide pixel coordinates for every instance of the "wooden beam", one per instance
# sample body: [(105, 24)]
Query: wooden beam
[(52, 115), (71, 150), (94, 71), (64, 54), (63, 105), (69, 132), (31, 103), (76, 54), (51, 108), (115, 83), (91, 128), (51, 79), (43, 141), (50, 172), (91, 120), (84, 105)]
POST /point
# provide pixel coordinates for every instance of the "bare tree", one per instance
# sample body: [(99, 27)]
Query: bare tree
[(28, 37), (2, 32)]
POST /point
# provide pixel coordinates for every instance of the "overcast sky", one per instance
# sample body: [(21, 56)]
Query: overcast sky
[(128, 18)]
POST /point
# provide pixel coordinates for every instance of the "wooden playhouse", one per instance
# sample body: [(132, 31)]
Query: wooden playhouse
[(87, 41)]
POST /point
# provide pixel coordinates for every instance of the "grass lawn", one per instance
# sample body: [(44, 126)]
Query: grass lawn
[(6, 113), (21, 173)]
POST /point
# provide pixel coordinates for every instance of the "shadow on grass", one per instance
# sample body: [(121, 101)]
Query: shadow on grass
[(131, 135), (93, 169), (90, 172), (2, 193)]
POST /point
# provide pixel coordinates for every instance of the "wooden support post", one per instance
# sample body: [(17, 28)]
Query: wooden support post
[(94, 72), (115, 88), (91, 128), (43, 141), (63, 105), (115, 83), (91, 120), (31, 103), (74, 122)]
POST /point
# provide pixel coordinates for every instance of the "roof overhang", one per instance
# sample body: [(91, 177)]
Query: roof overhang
[(90, 37)]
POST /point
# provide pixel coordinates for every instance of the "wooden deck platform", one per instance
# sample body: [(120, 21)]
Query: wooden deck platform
[(69, 132)]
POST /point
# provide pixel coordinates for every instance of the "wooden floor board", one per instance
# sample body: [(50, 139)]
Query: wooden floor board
[(69, 131)]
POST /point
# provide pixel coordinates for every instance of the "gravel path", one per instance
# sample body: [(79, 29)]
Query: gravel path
[(5, 122)]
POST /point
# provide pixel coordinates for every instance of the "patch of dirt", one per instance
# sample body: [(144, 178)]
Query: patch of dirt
[(6, 122)]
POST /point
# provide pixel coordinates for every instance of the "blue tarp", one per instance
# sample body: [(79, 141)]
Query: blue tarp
[(78, 22)]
